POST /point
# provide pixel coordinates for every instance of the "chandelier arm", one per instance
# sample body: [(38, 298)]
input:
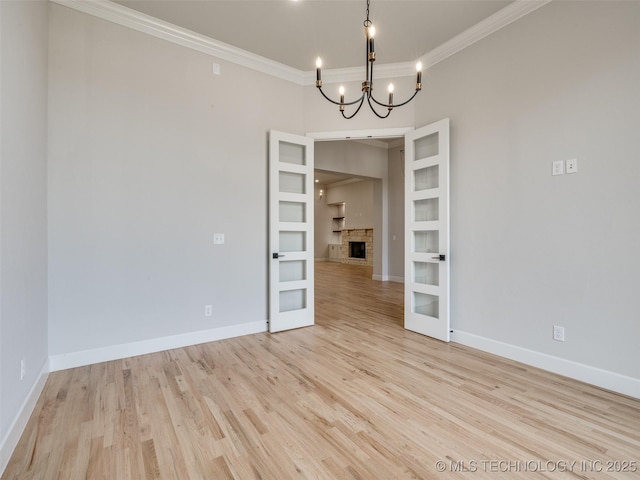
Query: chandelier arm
[(394, 105), (374, 110), (348, 117), (407, 101), (338, 103)]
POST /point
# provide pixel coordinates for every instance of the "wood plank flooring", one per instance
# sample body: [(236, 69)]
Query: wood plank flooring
[(354, 397)]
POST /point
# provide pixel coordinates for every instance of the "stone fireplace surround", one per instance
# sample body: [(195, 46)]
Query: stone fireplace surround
[(357, 235)]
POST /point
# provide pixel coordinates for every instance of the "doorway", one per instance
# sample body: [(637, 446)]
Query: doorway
[(426, 221), (359, 199)]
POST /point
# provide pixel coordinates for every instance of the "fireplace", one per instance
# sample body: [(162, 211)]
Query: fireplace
[(357, 249)]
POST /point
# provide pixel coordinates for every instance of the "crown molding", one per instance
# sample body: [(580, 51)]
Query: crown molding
[(135, 20), (482, 29)]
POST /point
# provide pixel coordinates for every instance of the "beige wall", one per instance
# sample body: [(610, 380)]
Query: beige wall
[(323, 215), (530, 250), (396, 213), (358, 200), (150, 155), (23, 209)]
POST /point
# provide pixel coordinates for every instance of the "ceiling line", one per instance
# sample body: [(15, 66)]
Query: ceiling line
[(141, 22)]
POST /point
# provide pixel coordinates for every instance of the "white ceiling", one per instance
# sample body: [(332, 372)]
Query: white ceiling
[(296, 32)]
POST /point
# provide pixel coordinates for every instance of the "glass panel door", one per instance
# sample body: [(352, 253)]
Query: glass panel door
[(427, 231), (290, 231)]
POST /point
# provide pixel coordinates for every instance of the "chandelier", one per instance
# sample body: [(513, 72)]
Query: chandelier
[(367, 85)]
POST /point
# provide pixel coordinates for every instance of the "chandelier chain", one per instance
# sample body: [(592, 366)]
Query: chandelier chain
[(367, 22)]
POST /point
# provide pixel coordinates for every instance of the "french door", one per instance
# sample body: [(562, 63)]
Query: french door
[(291, 256), (426, 269)]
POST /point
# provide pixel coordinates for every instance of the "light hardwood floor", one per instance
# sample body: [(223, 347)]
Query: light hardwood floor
[(354, 397)]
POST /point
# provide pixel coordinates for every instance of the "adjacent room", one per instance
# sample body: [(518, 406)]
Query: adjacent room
[(179, 300)]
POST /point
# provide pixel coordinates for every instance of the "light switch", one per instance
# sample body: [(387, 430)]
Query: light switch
[(218, 238), (572, 165), (558, 167)]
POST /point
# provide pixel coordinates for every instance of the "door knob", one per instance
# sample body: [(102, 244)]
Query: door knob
[(440, 257), (277, 255)]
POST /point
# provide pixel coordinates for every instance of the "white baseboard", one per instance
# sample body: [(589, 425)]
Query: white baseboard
[(387, 278), (12, 437), (116, 352), (578, 371)]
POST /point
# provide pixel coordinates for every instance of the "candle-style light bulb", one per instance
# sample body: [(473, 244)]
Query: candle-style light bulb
[(390, 96), (371, 32), (341, 90), (419, 76), (318, 72)]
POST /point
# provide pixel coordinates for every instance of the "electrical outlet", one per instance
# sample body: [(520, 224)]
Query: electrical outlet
[(23, 368), (572, 165), (558, 167), (558, 333), (218, 238), (208, 310)]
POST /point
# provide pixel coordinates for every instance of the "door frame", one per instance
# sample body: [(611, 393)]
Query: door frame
[(367, 134)]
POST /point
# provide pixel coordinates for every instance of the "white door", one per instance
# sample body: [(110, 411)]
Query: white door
[(290, 231), (426, 266)]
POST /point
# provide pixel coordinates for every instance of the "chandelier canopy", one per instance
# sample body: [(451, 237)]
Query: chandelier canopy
[(367, 84)]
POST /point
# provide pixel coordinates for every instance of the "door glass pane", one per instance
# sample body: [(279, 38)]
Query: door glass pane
[(425, 178), (292, 182), (425, 304), (293, 271), (292, 153), (425, 210), (292, 242), (426, 273), (292, 212), (293, 300), (426, 146), (426, 241)]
